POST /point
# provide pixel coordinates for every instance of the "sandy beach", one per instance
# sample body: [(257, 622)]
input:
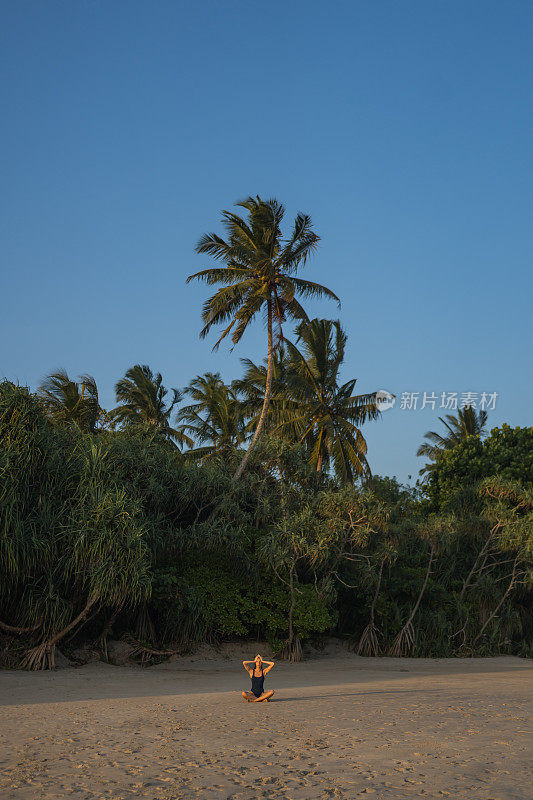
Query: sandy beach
[(339, 727)]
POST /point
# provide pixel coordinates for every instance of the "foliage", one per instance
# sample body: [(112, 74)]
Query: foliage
[(106, 528), (205, 603), (467, 423), (115, 532), (141, 397), (71, 538), (507, 452), (215, 419), (308, 403), (65, 400)]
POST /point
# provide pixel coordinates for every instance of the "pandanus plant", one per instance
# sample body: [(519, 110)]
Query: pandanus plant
[(431, 532), (369, 641), (292, 545), (101, 559), (509, 511), (72, 541)]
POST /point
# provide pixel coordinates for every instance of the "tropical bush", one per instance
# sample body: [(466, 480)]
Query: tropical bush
[(116, 532)]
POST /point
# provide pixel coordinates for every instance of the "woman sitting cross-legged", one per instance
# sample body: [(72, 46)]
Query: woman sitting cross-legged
[(257, 669)]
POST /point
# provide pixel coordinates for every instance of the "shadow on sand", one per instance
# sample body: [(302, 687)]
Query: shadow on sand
[(313, 697)]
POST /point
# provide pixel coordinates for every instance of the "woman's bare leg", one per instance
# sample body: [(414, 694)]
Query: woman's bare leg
[(248, 696), (264, 696)]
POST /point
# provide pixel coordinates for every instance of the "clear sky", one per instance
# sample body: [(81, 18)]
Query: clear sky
[(403, 127)]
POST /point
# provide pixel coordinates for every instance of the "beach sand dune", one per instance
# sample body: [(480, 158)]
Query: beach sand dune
[(339, 727)]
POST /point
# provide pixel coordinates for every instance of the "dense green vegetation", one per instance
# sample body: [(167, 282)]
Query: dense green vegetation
[(250, 510)]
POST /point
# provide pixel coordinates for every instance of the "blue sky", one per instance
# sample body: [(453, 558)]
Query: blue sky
[(403, 128)]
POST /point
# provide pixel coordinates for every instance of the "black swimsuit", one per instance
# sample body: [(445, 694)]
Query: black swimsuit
[(257, 683)]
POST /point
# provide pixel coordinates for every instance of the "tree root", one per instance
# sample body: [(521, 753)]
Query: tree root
[(101, 642), (147, 653), (404, 642), (368, 643), (40, 657), (293, 650)]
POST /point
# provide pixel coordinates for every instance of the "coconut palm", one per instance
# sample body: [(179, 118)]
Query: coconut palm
[(307, 403), (326, 414), (65, 400), (141, 397), (215, 416), (259, 274), (251, 388), (468, 422)]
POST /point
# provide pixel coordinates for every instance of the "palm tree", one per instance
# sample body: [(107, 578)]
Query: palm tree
[(216, 416), (259, 273), (458, 428), (326, 414), (141, 397), (251, 387), (65, 400), (308, 405)]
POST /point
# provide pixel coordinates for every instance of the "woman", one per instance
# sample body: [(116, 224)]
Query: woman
[(257, 669)]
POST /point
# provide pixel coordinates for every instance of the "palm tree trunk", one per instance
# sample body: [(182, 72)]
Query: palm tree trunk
[(319, 463), (268, 388)]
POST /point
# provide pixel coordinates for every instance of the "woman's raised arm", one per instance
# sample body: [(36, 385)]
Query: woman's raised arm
[(269, 665)]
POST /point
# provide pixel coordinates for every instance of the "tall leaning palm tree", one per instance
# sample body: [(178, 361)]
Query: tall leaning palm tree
[(468, 422), (141, 396), (65, 400), (328, 415), (259, 274)]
